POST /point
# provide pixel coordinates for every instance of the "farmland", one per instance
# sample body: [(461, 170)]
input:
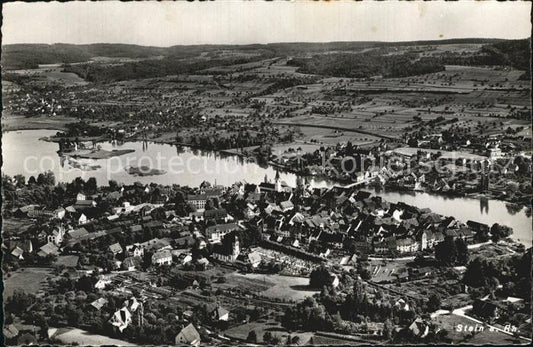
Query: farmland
[(30, 280), (262, 260)]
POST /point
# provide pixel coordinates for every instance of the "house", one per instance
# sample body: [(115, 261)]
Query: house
[(136, 228), (348, 260), (155, 245), (466, 234), (381, 247), (84, 204), (99, 303), (163, 257), (68, 261), (220, 314), (115, 248), (77, 234), (23, 211), (113, 196), (81, 218), (215, 214), (57, 236), (375, 329), (135, 250), (204, 263), (17, 252), (47, 250), (131, 263), (286, 205), (334, 280), (81, 197), (401, 304), (10, 332), (228, 250), (254, 258), (215, 233), (407, 245), (19, 247), (59, 213), (428, 238), (478, 227), (198, 201), (184, 242), (121, 318), (102, 282), (335, 239), (419, 328), (188, 336)]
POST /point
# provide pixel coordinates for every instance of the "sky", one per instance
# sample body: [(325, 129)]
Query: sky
[(244, 22)]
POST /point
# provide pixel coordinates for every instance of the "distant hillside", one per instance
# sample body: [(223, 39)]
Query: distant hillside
[(515, 53), (29, 56), (20, 56), (309, 57)]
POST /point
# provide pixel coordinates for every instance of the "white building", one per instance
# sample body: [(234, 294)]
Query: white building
[(162, 258)]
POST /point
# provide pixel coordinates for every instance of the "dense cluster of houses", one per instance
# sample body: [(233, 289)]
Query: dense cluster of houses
[(307, 224)]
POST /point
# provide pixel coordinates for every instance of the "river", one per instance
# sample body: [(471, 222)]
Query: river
[(23, 153), (462, 208)]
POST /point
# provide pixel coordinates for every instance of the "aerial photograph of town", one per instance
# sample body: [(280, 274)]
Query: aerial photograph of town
[(266, 173)]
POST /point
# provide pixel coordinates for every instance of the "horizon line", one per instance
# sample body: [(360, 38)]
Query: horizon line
[(268, 43)]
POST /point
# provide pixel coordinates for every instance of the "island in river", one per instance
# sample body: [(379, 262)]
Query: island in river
[(144, 171)]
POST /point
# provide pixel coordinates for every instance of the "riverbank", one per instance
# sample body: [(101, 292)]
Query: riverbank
[(16, 123), (226, 169), (248, 154)]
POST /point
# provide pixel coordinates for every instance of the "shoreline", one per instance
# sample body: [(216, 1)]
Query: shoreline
[(283, 168), (19, 123)]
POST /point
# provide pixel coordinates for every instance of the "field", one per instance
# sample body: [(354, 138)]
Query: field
[(274, 286), (82, 337), (46, 75), (15, 225), (488, 337), (30, 280), (450, 322), (263, 325)]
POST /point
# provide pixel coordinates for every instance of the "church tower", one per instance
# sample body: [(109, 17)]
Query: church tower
[(277, 182)]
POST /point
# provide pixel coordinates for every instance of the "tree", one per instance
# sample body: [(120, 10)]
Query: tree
[(275, 340), (462, 251), (320, 277), (20, 180), (388, 329), (446, 252), (113, 185), (252, 337), (19, 301), (40, 179), (90, 185), (434, 302), (498, 232), (267, 337)]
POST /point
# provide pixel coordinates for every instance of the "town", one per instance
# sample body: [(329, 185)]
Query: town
[(251, 263), (335, 185)]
